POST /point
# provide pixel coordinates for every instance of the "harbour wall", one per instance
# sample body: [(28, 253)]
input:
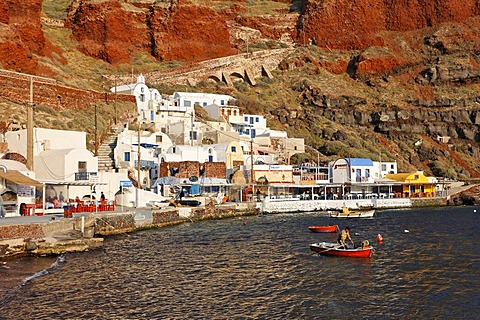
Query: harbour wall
[(294, 205), (84, 233), (117, 223)]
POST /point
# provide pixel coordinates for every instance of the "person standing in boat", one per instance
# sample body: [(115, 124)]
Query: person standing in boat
[(343, 236)]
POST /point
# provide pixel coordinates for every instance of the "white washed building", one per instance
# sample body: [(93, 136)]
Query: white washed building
[(199, 154), (248, 125), (151, 145), (146, 98), (359, 170), (61, 158)]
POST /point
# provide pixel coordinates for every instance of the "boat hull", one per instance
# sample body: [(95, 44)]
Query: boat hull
[(353, 214), (323, 229), (332, 249)]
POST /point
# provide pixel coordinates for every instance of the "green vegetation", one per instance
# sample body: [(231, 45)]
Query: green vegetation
[(56, 9), (304, 98)]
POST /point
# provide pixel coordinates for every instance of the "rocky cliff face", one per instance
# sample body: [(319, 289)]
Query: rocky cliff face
[(177, 31), (21, 37), (387, 73), (356, 24), (182, 30)]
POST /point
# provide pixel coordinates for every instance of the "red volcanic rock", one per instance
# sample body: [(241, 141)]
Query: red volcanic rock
[(15, 56), (377, 60), (21, 36), (354, 24), (24, 18), (4, 12), (106, 31), (336, 67), (179, 33)]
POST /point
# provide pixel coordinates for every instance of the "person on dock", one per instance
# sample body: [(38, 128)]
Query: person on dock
[(343, 236)]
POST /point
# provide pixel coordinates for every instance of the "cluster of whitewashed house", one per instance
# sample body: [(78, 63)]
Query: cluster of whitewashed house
[(233, 149)]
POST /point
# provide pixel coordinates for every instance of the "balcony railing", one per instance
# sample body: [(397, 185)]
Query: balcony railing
[(149, 164), (86, 176)]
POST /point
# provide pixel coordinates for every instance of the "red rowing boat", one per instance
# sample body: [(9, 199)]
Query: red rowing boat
[(323, 229), (334, 249)]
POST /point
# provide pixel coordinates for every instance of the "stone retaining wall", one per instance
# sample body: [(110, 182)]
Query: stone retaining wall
[(166, 216), (21, 231), (429, 202), (15, 87), (114, 223)]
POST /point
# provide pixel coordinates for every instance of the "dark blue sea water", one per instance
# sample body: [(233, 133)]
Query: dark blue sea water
[(261, 267)]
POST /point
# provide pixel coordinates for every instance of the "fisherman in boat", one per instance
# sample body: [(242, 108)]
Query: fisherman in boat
[(343, 236)]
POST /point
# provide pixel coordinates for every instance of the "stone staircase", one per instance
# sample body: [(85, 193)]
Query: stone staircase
[(106, 160)]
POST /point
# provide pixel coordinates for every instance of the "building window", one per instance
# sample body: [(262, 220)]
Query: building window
[(416, 177), (257, 119), (392, 167), (193, 135), (367, 173), (152, 115), (126, 156), (247, 131), (158, 139), (210, 158), (384, 167), (142, 98), (245, 119), (187, 103), (82, 166), (234, 149), (251, 120), (254, 133), (295, 148), (204, 104), (222, 102)]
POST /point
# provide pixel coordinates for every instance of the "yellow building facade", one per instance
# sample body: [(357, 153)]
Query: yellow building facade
[(415, 185)]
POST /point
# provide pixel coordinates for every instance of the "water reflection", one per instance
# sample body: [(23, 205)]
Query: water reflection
[(265, 269)]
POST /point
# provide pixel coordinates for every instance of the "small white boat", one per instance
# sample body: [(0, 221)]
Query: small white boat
[(158, 204), (346, 213)]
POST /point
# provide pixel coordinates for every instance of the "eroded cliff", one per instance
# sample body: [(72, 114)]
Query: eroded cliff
[(366, 76)]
